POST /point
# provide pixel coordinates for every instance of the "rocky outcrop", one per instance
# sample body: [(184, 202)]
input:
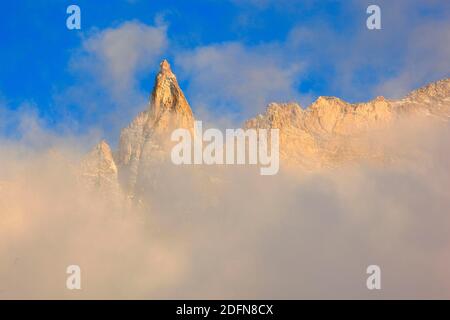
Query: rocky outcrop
[(331, 131), (98, 169), (430, 100), (145, 143)]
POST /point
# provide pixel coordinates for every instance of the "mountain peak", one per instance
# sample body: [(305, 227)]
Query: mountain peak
[(146, 140), (165, 72), (104, 148), (437, 89), (164, 67), (98, 168), (167, 96)]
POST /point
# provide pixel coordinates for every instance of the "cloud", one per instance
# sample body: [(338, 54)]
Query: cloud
[(410, 50), (234, 77), (108, 69), (116, 56), (51, 230), (426, 58), (226, 233), (341, 57)]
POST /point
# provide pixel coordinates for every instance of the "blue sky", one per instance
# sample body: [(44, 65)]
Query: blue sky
[(232, 57)]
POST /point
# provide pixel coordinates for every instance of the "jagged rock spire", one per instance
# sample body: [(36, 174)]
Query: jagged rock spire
[(145, 142), (168, 105), (164, 68)]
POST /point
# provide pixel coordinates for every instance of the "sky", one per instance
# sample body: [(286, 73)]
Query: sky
[(231, 57)]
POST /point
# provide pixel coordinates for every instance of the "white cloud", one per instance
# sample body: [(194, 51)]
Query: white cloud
[(348, 60), (108, 68), (426, 58), (116, 56), (242, 78), (239, 236)]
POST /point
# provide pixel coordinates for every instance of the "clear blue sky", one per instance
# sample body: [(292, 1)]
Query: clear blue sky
[(231, 57)]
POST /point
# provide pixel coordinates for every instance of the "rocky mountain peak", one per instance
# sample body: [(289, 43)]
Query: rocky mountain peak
[(99, 168), (104, 150), (168, 103), (145, 143), (164, 68), (438, 89)]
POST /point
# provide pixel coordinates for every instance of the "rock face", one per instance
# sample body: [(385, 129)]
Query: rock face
[(430, 100), (145, 142), (329, 133)]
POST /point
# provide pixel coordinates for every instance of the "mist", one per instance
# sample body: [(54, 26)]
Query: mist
[(227, 232)]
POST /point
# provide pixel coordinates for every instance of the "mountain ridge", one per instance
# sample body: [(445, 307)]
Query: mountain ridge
[(325, 134)]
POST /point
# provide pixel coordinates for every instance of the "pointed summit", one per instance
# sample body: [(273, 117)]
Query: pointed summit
[(168, 101), (164, 67), (98, 168), (104, 149), (101, 159), (146, 141)]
